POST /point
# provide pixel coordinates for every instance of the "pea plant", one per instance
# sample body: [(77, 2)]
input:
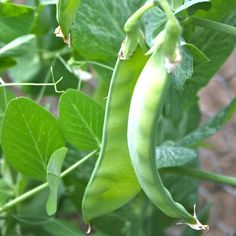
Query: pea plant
[(99, 114)]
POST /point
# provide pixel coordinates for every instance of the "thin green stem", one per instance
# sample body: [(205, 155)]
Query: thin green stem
[(24, 196), (49, 55), (43, 186), (172, 31), (61, 59), (213, 25), (48, 75), (74, 166), (25, 84), (132, 23), (99, 64), (204, 175), (81, 63), (54, 84), (167, 9)]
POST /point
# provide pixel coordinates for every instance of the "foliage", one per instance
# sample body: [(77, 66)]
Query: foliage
[(46, 135)]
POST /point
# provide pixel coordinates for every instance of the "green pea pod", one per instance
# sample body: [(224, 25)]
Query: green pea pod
[(113, 181), (145, 109)]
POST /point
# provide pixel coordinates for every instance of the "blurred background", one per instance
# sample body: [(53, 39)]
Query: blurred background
[(220, 157)]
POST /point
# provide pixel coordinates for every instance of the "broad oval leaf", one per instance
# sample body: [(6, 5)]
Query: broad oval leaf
[(5, 97), (103, 22), (81, 119), (30, 135), (53, 177)]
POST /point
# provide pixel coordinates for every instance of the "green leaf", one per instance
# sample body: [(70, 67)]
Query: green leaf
[(210, 127), (61, 228), (27, 67), (32, 211), (15, 21), (193, 5), (30, 135), (196, 53), (214, 44), (219, 9), (6, 62), (66, 13), (32, 219), (18, 46), (65, 228), (98, 30), (153, 22), (171, 156), (53, 178), (5, 97), (45, 22), (81, 120), (183, 71)]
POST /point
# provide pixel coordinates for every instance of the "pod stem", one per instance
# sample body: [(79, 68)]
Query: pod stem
[(168, 39), (172, 31), (134, 35)]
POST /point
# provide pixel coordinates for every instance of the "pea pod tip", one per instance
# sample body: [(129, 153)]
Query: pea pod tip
[(197, 225)]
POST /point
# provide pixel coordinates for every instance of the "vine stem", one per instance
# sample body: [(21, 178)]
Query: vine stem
[(204, 175), (98, 64), (4, 84), (42, 90), (43, 186)]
